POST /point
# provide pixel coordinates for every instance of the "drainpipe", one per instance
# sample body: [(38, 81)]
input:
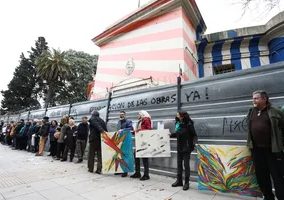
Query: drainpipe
[(179, 90), (108, 105)]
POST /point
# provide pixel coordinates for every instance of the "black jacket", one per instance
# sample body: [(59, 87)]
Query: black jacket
[(97, 126), (70, 135), (44, 130), (186, 138), (83, 131)]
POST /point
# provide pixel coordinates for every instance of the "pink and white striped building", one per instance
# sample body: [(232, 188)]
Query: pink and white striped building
[(151, 42)]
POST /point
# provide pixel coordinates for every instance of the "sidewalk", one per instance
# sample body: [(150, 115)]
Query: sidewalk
[(26, 177)]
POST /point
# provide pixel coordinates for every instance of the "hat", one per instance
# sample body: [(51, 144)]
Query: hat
[(45, 118)]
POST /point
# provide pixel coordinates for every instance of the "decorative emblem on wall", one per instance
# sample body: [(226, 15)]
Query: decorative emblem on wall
[(130, 66)]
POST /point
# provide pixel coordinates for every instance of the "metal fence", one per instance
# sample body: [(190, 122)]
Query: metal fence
[(217, 105)]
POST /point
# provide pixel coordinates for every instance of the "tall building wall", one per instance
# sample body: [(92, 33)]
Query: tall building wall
[(153, 47)]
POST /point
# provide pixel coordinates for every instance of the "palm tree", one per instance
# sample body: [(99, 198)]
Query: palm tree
[(53, 68)]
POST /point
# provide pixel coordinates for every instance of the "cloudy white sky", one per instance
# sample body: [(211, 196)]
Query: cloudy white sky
[(73, 23)]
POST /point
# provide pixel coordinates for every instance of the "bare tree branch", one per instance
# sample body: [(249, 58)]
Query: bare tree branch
[(269, 4)]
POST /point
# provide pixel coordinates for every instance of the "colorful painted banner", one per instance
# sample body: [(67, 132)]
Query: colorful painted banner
[(117, 152), (227, 169), (153, 144)]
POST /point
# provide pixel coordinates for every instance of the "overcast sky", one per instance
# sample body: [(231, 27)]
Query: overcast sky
[(73, 23)]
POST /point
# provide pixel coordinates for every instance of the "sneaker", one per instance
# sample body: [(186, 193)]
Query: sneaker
[(98, 172), (123, 174), (80, 160)]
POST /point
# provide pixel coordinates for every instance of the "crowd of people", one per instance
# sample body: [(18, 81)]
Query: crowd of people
[(265, 139)]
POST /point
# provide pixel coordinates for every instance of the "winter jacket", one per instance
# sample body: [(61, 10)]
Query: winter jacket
[(83, 131), (146, 124), (18, 128), (97, 126), (62, 133), (70, 134), (125, 124), (186, 137), (52, 130), (24, 131), (44, 130), (277, 129)]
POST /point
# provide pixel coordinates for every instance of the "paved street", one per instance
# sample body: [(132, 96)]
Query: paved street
[(26, 177)]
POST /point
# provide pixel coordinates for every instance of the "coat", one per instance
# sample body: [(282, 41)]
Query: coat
[(97, 126), (83, 131), (70, 135), (186, 138), (146, 124), (62, 133), (44, 130), (125, 124), (277, 129)]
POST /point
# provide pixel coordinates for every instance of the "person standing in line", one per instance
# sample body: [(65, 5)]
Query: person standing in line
[(144, 123), (16, 133), (97, 127), (70, 140), (60, 141), (44, 130), (36, 135), (266, 141), (82, 137), (12, 134), (123, 124), (30, 133), (23, 136), (186, 140), (8, 133), (52, 139)]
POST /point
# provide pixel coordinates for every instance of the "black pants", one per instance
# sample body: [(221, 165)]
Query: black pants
[(145, 165), (53, 148), (70, 146), (60, 149), (267, 163), (36, 145), (183, 159), (93, 151)]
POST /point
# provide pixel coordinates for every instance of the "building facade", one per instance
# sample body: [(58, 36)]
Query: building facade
[(241, 48), (164, 39)]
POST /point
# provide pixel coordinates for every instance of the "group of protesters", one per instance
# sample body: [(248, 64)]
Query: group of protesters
[(33, 135), (265, 140)]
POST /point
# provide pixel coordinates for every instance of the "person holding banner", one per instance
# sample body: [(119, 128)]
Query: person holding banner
[(97, 127), (123, 124), (186, 139), (144, 123)]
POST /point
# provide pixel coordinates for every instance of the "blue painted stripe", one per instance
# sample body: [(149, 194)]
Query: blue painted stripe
[(276, 50), (254, 51), (236, 53), (217, 53), (200, 53)]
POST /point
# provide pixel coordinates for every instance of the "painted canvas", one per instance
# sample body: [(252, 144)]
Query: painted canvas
[(117, 152), (153, 143), (228, 169)]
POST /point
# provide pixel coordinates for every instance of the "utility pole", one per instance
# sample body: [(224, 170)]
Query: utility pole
[(138, 3)]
